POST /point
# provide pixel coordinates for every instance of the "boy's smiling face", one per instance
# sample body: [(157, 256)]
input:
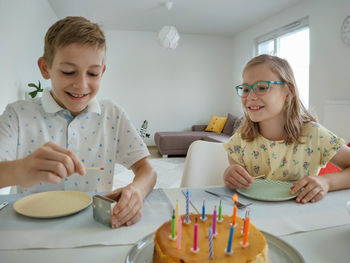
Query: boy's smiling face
[(75, 75)]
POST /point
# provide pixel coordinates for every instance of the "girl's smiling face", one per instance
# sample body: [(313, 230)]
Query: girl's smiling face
[(75, 75), (270, 106)]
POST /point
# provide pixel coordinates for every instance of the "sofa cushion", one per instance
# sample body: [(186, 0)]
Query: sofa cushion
[(228, 128), (236, 125), (216, 124), (176, 142), (199, 127)]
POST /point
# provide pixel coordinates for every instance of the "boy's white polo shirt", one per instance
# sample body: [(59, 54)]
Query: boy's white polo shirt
[(101, 136)]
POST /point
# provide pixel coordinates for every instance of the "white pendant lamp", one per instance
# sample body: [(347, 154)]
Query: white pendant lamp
[(168, 36)]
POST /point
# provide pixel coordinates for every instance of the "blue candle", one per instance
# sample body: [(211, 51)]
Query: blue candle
[(203, 209), (229, 244), (187, 207)]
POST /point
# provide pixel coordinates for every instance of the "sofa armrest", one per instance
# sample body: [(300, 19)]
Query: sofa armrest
[(200, 127)]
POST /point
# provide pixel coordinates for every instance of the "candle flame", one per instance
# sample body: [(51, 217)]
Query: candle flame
[(235, 198)]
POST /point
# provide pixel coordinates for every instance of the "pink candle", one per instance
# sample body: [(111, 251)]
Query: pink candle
[(235, 199), (179, 233), (195, 240), (245, 232), (214, 222)]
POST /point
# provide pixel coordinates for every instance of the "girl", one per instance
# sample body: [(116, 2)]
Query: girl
[(279, 138)]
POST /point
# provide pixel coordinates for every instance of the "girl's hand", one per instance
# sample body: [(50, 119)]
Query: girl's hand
[(128, 210), (236, 176), (313, 188), (50, 163)]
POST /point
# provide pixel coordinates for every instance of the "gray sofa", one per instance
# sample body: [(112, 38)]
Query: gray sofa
[(177, 143)]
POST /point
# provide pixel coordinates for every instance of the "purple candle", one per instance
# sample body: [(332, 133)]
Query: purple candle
[(214, 222)]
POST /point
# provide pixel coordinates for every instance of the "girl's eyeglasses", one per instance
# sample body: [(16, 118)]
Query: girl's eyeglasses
[(260, 88)]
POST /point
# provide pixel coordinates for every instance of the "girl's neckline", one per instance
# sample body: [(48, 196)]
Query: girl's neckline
[(279, 141)]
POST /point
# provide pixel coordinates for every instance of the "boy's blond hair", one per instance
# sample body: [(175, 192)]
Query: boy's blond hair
[(69, 30), (295, 112)]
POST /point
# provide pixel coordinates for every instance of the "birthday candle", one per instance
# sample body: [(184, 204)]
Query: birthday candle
[(246, 230), (195, 239), (203, 209), (176, 215), (187, 207), (211, 254), (235, 199), (245, 218), (229, 244), (220, 211), (214, 221), (173, 225), (179, 233)]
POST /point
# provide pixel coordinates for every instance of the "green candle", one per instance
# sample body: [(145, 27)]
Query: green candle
[(173, 225), (220, 211)]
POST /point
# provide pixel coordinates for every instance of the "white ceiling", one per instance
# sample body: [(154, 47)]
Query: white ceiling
[(209, 17)]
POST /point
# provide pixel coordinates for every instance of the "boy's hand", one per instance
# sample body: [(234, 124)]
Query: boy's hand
[(236, 176), (128, 210), (313, 188), (50, 163)]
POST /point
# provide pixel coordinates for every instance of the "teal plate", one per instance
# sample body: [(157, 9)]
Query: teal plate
[(268, 190)]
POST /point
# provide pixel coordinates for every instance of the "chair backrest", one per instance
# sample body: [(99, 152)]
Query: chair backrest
[(204, 165)]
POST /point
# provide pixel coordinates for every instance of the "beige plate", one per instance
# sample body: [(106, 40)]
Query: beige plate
[(52, 204)]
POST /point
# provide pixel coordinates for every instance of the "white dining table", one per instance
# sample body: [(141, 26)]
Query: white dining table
[(325, 245)]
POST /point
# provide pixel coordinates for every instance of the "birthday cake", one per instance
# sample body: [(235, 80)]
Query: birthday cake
[(166, 249)]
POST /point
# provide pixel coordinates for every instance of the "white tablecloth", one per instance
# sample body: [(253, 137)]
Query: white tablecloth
[(18, 232), (285, 217)]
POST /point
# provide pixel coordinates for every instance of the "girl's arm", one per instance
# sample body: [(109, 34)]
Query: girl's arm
[(340, 180), (314, 188), (236, 176)]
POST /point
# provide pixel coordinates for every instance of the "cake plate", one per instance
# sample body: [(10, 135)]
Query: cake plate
[(279, 251)]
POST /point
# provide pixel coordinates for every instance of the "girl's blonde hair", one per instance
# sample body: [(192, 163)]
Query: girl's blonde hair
[(69, 30), (295, 112)]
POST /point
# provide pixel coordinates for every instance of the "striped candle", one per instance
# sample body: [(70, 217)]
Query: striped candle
[(211, 253), (187, 207)]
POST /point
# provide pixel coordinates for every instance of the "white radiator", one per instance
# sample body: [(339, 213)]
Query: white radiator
[(337, 118)]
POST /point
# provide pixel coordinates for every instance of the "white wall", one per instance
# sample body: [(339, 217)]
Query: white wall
[(172, 89), (22, 28), (329, 56)]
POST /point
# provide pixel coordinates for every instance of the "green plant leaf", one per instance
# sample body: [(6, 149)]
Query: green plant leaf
[(33, 93), (32, 85)]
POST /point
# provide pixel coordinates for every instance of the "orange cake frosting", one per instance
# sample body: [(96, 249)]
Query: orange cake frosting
[(165, 249)]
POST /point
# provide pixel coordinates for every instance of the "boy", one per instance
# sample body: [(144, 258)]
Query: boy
[(52, 138)]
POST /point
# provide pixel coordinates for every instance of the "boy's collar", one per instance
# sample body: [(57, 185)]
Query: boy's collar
[(51, 106)]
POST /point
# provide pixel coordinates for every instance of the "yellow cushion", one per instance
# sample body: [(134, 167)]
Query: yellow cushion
[(216, 124)]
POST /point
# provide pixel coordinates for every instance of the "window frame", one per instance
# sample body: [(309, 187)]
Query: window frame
[(284, 30)]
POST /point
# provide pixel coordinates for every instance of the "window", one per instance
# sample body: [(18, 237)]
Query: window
[(291, 42)]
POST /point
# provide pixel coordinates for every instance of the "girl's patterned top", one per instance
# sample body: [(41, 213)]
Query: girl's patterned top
[(101, 136), (285, 162)]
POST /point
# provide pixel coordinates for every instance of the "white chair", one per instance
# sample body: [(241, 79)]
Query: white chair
[(204, 165)]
